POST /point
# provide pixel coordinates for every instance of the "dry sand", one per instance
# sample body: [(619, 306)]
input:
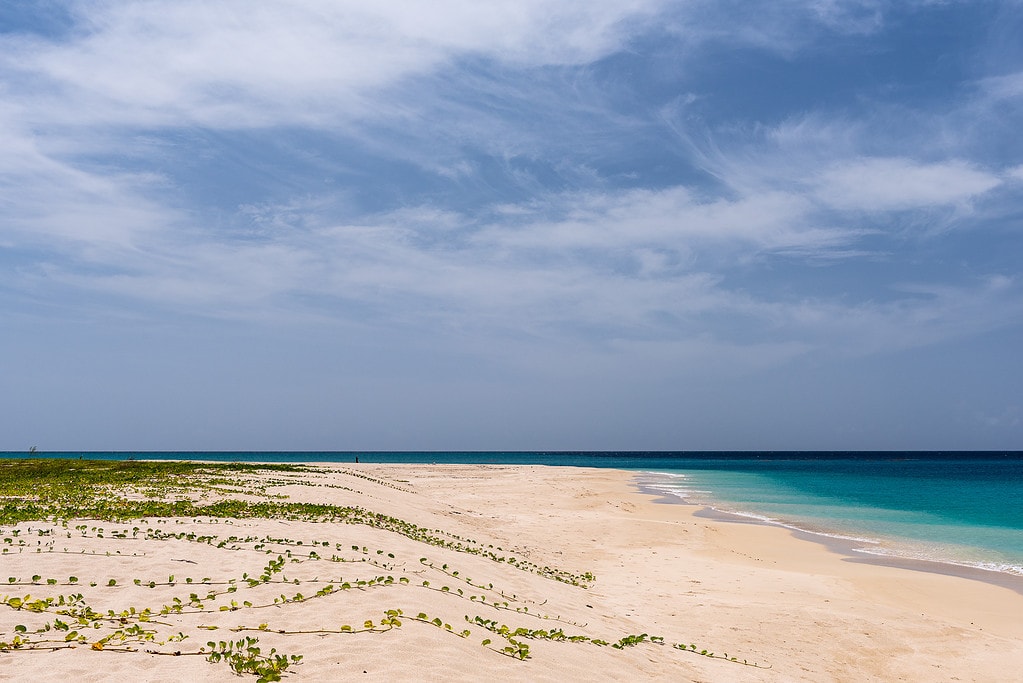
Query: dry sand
[(755, 592)]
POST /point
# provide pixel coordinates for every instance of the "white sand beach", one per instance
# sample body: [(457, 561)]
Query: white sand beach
[(500, 538)]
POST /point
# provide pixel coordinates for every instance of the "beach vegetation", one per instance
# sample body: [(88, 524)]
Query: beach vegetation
[(130, 504)]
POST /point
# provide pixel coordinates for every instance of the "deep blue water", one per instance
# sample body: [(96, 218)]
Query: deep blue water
[(959, 507)]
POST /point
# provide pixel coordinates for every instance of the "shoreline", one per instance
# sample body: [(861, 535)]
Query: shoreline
[(847, 547)]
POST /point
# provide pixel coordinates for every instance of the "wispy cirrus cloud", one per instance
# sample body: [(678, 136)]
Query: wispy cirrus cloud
[(893, 184), (675, 219), (50, 202), (587, 276), (296, 63), (572, 190)]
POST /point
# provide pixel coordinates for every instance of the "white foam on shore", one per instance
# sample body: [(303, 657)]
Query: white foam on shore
[(795, 527), (684, 494), (909, 554), (673, 489)]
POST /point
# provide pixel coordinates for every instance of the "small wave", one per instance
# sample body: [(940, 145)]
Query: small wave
[(878, 548), (906, 554), (685, 495), (671, 475), (806, 529), (676, 489)]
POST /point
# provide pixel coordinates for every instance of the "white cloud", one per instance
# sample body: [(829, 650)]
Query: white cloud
[(236, 64), (1004, 87), (55, 204), (850, 16), (886, 184), (782, 26), (674, 219), (637, 274), (650, 262), (592, 279)]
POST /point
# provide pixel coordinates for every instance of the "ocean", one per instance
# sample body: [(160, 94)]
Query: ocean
[(957, 508)]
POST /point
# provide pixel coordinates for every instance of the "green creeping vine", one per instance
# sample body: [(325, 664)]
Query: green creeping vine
[(245, 657), (64, 492), (500, 605), (51, 499), (559, 635), (374, 480)]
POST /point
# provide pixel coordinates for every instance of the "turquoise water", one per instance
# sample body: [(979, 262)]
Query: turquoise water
[(960, 508)]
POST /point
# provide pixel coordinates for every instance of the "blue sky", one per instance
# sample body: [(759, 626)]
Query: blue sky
[(320, 224)]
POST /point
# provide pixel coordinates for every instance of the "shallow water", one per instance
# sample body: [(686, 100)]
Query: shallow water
[(965, 510)]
